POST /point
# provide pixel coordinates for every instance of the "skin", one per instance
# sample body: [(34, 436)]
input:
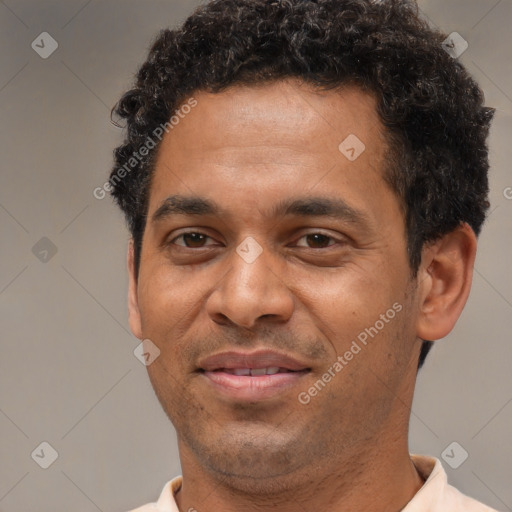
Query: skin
[(247, 149)]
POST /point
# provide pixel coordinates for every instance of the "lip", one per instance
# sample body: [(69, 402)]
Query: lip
[(255, 359), (251, 387)]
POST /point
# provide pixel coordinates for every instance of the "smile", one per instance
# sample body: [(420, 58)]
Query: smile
[(252, 376)]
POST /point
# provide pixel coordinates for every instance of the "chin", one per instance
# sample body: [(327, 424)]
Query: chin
[(262, 479), (252, 462)]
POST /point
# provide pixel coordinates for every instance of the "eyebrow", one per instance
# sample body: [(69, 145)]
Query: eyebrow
[(185, 205), (302, 207)]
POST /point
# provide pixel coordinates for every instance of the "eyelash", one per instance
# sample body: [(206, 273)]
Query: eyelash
[(209, 237)]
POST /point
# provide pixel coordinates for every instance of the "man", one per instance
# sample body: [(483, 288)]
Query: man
[(304, 182)]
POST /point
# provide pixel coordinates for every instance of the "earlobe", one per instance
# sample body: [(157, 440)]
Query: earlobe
[(133, 302), (444, 282)]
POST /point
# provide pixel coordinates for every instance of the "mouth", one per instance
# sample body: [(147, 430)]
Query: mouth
[(252, 376), (254, 372)]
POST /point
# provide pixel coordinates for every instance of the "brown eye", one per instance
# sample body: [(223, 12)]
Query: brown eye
[(192, 240), (317, 241)]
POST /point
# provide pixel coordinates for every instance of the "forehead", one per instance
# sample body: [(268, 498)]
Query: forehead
[(266, 136), (299, 115)]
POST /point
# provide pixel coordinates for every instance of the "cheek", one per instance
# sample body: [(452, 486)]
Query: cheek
[(347, 300), (166, 297)]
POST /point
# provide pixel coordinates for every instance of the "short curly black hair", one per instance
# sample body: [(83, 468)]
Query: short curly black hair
[(433, 110)]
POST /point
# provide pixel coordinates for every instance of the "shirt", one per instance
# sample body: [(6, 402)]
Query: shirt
[(436, 495)]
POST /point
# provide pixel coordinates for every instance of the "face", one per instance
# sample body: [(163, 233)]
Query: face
[(271, 248)]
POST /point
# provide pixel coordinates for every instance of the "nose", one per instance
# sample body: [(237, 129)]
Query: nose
[(250, 291)]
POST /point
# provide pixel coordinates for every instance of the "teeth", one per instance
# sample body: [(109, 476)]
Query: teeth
[(245, 372), (242, 371)]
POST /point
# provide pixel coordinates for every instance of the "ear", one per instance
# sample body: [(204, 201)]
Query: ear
[(444, 282), (133, 301)]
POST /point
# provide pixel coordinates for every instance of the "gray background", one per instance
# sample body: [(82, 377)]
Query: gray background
[(68, 375)]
